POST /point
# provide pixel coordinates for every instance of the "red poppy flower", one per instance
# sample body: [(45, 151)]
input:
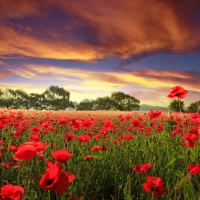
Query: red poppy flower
[(34, 138), (72, 197), (51, 128), (189, 139), (63, 120), (142, 168), (13, 148), (61, 155), (40, 146), (154, 185), (26, 152), (53, 146), (2, 126), (152, 114), (10, 191), (86, 124), (75, 124), (127, 137), (55, 179), (97, 148), (88, 157), (178, 91), (69, 136), (83, 138), (108, 124), (35, 129), (40, 156), (194, 169)]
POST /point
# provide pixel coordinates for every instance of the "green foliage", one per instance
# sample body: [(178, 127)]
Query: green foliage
[(194, 107), (169, 125), (57, 98), (117, 101), (125, 102), (86, 104), (54, 98), (176, 106)]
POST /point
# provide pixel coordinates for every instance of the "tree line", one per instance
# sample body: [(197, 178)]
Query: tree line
[(178, 105), (57, 98)]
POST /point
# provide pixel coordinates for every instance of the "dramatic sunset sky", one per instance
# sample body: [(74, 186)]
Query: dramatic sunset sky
[(94, 47)]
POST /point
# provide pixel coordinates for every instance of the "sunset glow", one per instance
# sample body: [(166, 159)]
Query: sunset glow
[(142, 48)]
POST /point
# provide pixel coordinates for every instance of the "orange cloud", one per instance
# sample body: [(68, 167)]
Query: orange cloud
[(5, 74), (97, 29)]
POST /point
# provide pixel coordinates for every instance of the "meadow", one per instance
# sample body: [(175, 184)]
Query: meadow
[(99, 155)]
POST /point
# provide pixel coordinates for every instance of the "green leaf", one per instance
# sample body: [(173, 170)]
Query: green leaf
[(8, 171), (171, 162)]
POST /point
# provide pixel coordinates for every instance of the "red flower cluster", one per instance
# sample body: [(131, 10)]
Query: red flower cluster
[(142, 168), (55, 179), (154, 185), (189, 140), (12, 192), (28, 150)]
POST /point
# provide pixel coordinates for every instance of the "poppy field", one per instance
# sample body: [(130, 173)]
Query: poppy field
[(99, 155)]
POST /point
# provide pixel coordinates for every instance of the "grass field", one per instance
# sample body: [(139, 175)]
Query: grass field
[(99, 155)]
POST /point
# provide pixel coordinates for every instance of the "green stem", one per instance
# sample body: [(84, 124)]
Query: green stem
[(179, 102)]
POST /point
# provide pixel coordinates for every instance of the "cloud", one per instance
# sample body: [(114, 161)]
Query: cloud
[(73, 30), (5, 74), (2, 63), (146, 85)]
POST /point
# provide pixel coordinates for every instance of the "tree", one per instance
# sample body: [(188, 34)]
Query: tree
[(20, 99), (194, 107), (125, 102), (72, 105), (176, 106), (56, 98), (86, 104), (104, 103), (36, 101), (16, 99), (6, 98)]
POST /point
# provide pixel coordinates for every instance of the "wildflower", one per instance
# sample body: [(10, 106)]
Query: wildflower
[(194, 169), (83, 138), (88, 157), (10, 191), (152, 114), (177, 91), (61, 155), (154, 185), (142, 168), (55, 179), (96, 148), (190, 140), (69, 136)]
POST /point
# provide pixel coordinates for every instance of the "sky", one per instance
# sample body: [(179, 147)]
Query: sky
[(93, 48)]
